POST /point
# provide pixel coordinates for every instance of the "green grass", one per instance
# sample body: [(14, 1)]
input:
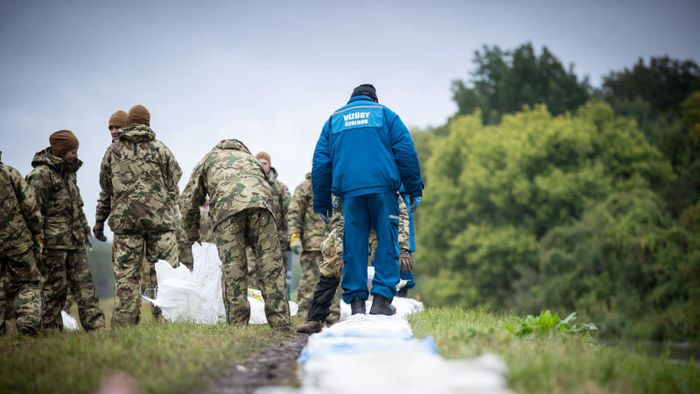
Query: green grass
[(553, 363), (162, 357)]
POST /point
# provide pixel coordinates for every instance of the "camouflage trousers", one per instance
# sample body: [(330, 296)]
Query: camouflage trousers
[(184, 248), (254, 268), (20, 293), (310, 262), (254, 227), (130, 251), (63, 270)]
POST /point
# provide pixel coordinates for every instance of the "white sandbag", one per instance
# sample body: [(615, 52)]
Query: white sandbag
[(377, 354), (197, 296), (69, 323)]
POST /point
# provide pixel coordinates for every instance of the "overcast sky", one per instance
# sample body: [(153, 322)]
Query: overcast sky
[(270, 72)]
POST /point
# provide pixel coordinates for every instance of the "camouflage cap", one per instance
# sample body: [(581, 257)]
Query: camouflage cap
[(138, 114), (118, 119)]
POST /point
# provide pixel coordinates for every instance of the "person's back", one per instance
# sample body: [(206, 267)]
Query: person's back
[(240, 208), (140, 176), (143, 182), (234, 181), (363, 155)]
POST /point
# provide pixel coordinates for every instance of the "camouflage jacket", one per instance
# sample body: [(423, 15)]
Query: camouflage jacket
[(303, 221), (139, 174), (20, 218), (234, 181), (55, 186), (280, 204)]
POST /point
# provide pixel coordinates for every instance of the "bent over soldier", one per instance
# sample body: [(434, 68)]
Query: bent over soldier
[(240, 209), (63, 263), (140, 174), (20, 238)]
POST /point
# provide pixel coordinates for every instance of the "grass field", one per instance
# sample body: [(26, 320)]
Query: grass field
[(161, 357), (554, 363)]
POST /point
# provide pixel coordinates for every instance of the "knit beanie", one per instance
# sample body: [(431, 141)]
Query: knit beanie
[(138, 114), (62, 142), (264, 155), (118, 119), (365, 90)]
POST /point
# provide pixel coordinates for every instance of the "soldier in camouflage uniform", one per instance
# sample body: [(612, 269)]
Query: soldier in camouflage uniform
[(307, 230), (66, 233), (20, 238), (116, 122), (325, 304), (280, 204), (240, 209), (140, 176)]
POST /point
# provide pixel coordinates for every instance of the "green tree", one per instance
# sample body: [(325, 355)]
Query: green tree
[(662, 85), (495, 191), (505, 81), (625, 265)]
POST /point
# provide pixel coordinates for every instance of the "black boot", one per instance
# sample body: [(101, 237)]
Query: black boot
[(320, 304), (382, 306), (403, 292), (357, 305)]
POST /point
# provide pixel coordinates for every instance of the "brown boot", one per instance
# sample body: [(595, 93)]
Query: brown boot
[(310, 327)]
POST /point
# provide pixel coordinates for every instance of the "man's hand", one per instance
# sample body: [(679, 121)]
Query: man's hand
[(338, 269), (99, 231), (406, 261), (415, 202), (295, 244)]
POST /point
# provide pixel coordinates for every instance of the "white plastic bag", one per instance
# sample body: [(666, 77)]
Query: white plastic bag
[(197, 296), (69, 323)]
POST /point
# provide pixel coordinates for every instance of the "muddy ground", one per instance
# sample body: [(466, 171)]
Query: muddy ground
[(272, 367)]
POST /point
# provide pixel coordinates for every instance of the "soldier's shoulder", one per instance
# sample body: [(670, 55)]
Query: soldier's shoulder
[(9, 171), (42, 171)]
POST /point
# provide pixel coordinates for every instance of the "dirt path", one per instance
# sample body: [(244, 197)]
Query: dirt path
[(272, 367)]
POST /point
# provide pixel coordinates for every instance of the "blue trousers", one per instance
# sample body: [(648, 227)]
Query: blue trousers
[(381, 212)]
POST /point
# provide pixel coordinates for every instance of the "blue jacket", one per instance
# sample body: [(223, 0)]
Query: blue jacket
[(364, 148)]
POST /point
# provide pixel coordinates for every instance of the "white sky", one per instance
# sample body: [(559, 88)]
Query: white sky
[(270, 72)]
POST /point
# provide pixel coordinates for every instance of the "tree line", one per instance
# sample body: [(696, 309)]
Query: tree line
[(544, 192)]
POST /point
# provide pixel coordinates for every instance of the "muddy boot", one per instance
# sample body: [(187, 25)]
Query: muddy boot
[(310, 327), (381, 306), (403, 292), (357, 305)]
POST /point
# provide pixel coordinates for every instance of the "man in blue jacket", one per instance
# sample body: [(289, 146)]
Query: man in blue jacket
[(364, 154)]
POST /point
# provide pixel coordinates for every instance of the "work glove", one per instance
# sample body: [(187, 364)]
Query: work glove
[(99, 231), (338, 269), (295, 244), (406, 261), (415, 202)]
